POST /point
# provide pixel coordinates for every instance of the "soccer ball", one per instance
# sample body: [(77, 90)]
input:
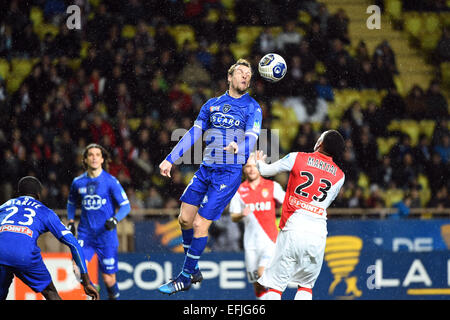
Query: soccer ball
[(272, 67)]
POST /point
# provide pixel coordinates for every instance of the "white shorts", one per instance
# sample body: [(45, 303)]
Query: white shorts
[(256, 258), (298, 259)]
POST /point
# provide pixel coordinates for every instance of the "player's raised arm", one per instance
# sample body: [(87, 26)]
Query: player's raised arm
[(283, 165)]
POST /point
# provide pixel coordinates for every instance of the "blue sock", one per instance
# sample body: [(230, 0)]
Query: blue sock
[(187, 236), (113, 292), (194, 253)]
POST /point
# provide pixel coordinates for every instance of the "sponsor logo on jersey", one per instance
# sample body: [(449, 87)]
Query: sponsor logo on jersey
[(214, 108), (93, 202), (220, 120), (17, 229), (260, 206)]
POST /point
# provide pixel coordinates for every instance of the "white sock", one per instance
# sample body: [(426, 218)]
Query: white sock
[(271, 294), (303, 294)]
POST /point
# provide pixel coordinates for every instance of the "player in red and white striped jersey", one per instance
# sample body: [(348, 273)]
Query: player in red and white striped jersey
[(255, 203), (314, 182)]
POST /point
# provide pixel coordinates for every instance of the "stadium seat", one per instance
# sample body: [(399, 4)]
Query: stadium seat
[(36, 16), (212, 15), (411, 128), (392, 196), (394, 8), (363, 181), (227, 4), (182, 33), (246, 35), (128, 31), (134, 123), (427, 127), (413, 24), (432, 22), (445, 72), (13, 83), (425, 193), (4, 68), (304, 17), (429, 41), (385, 144), (44, 28), (21, 67), (239, 50)]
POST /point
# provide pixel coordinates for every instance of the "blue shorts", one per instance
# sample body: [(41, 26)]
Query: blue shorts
[(211, 188), (107, 253), (36, 277)]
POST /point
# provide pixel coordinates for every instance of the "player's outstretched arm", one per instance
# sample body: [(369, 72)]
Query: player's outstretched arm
[(78, 256), (282, 165)]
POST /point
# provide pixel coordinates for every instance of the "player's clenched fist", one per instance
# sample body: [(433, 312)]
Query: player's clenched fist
[(164, 168)]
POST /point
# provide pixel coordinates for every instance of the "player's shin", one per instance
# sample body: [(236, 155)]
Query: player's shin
[(193, 254)]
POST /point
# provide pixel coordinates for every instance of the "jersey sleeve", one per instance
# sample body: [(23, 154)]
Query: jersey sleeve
[(236, 204), (203, 117), (278, 192), (72, 202), (283, 165), (121, 198), (254, 122)]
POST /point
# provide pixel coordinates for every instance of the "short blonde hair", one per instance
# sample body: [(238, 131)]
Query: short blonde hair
[(240, 62)]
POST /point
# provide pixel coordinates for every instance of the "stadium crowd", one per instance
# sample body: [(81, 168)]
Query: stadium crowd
[(130, 93)]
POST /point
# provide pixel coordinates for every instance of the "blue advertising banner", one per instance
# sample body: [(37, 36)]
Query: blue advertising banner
[(369, 259), (349, 272)]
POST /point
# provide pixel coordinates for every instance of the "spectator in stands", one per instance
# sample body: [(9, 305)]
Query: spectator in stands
[(337, 26), (406, 172), (415, 103), (365, 75), (317, 40), (437, 106), (442, 51), (392, 107), (357, 199), (324, 89), (375, 199), (422, 152), (383, 77), (6, 41), (443, 148), (153, 199), (385, 52), (289, 39), (366, 152), (440, 199), (437, 172)]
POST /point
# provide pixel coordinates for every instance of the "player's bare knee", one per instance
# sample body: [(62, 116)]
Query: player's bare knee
[(184, 222)]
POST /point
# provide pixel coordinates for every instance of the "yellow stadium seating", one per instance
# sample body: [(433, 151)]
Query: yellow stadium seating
[(427, 127), (363, 181), (4, 68), (36, 16), (445, 72), (413, 24), (246, 35), (394, 8), (431, 22), (128, 31), (385, 144), (182, 33), (239, 50)]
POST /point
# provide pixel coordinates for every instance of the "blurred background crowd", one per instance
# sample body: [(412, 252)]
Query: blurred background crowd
[(137, 70)]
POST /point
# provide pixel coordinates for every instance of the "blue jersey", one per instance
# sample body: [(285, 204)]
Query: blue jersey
[(226, 119), (222, 120), (22, 221), (99, 197)]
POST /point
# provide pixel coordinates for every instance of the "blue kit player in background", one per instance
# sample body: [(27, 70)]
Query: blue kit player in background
[(230, 125), (22, 221), (99, 194)]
